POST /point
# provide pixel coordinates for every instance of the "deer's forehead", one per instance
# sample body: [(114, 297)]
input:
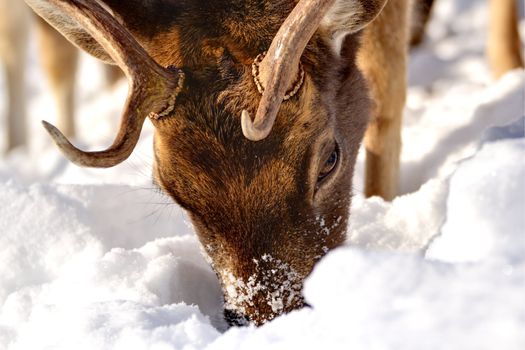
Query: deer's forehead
[(206, 124), (208, 153), (203, 162), (209, 184)]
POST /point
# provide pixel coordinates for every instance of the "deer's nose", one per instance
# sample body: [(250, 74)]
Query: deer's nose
[(235, 319)]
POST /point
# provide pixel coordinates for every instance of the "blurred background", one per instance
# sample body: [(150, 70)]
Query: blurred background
[(44, 77)]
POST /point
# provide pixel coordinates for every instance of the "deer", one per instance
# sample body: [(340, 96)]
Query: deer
[(13, 38), (259, 108), (503, 48), (59, 60), (58, 57)]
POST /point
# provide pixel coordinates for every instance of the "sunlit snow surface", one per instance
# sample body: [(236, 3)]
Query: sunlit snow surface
[(97, 259)]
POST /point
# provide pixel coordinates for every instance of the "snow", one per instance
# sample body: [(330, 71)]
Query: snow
[(98, 259)]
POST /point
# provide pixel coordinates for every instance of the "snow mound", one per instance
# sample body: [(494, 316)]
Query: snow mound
[(91, 268)]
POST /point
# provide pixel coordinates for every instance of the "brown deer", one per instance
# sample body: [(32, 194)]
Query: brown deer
[(259, 109), (503, 41), (59, 60), (14, 20)]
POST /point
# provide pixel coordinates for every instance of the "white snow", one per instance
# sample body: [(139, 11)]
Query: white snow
[(98, 259)]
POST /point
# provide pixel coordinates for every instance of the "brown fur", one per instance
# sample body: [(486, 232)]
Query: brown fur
[(504, 44), (222, 179), (384, 63), (259, 209)]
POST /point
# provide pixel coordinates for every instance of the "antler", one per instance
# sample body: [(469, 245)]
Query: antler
[(153, 89), (281, 64)]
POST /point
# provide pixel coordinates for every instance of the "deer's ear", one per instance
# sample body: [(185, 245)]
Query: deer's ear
[(62, 22), (350, 16)]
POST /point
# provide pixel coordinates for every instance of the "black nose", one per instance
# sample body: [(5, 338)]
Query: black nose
[(235, 319)]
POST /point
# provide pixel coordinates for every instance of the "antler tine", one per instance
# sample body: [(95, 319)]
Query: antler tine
[(282, 63), (153, 89)]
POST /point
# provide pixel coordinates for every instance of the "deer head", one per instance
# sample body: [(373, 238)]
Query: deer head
[(268, 196)]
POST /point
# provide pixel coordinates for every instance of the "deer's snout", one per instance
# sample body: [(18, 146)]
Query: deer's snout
[(269, 288)]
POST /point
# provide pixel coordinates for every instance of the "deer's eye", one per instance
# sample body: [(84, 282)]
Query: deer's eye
[(329, 165)]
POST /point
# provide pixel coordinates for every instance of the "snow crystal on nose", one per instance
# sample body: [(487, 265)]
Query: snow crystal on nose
[(274, 283)]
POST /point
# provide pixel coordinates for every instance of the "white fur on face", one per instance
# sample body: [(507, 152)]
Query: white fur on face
[(343, 18)]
